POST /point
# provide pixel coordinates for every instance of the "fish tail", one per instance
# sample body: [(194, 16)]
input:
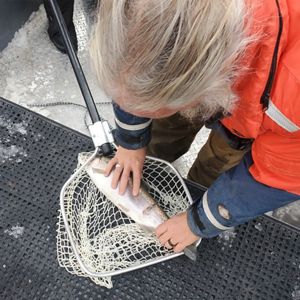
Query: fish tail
[(191, 252)]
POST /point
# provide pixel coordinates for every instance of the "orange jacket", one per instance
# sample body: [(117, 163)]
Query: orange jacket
[(276, 129)]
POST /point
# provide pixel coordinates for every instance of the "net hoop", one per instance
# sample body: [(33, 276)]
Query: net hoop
[(65, 231)]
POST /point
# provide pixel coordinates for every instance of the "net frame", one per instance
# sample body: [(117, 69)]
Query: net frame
[(85, 270)]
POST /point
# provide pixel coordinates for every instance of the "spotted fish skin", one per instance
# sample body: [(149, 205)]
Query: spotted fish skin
[(141, 208)]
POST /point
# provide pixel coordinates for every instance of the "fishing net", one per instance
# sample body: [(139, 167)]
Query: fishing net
[(95, 239)]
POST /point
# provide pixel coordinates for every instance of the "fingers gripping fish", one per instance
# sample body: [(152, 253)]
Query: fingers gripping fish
[(142, 208)]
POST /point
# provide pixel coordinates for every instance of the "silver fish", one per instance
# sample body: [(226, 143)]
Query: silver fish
[(142, 208)]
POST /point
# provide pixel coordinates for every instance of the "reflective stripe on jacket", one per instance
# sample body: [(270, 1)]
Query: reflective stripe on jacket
[(131, 132)]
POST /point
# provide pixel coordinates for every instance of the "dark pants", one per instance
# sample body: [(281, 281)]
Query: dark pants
[(67, 8), (173, 136)]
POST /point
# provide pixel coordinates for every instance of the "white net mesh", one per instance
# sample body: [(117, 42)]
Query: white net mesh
[(105, 238)]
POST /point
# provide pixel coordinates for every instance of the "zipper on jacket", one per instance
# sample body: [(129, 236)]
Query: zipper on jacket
[(264, 100)]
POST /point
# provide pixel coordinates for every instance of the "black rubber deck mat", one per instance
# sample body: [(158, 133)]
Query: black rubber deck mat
[(260, 261)]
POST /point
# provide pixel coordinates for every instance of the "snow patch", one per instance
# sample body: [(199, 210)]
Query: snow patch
[(296, 293), (10, 153), (14, 89), (12, 127), (226, 238), (42, 111), (291, 211), (258, 226), (15, 231), (183, 163)]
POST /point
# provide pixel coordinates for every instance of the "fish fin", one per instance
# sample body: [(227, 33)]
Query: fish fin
[(191, 252), (144, 185), (123, 208), (147, 229)]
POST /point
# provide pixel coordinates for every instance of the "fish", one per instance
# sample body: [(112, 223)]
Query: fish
[(142, 209)]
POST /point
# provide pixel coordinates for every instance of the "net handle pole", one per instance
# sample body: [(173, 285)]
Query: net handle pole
[(85, 90)]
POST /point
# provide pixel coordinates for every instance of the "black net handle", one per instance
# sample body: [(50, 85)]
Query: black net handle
[(85, 90)]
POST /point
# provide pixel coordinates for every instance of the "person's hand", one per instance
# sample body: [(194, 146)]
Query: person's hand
[(175, 233), (125, 163)]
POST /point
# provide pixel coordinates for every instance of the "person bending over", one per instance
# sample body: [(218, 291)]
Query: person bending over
[(172, 66)]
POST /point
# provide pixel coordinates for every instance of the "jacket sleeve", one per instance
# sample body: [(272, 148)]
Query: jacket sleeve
[(233, 199), (131, 132)]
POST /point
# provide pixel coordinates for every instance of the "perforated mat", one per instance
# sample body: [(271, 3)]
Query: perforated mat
[(259, 261)]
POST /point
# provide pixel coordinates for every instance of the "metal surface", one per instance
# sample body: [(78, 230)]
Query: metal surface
[(259, 261)]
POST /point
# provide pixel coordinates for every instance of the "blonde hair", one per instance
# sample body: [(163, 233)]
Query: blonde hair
[(170, 53)]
